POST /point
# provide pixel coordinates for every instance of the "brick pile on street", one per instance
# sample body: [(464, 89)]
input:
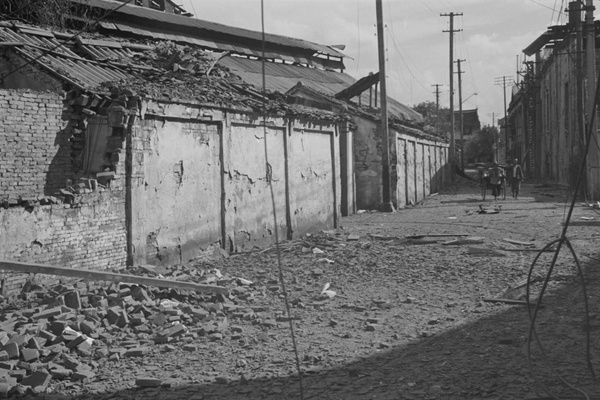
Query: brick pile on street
[(388, 306)]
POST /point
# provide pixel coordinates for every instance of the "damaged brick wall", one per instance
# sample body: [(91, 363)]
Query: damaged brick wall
[(51, 210), (89, 236), (35, 150)]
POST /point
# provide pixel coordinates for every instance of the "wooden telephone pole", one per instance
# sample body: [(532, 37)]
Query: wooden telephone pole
[(501, 81), (452, 140), (386, 205), (437, 107), (460, 116)]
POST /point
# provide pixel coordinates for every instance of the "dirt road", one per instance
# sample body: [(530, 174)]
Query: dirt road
[(402, 318)]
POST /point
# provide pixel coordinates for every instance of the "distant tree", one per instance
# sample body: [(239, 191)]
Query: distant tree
[(483, 145), (436, 122), (48, 13)]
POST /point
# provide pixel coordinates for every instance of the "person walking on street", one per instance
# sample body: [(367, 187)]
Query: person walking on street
[(516, 176), (496, 176)]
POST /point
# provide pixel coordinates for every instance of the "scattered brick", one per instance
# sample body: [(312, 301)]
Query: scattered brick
[(148, 382)]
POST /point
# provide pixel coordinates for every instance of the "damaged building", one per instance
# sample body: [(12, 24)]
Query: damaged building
[(140, 145)]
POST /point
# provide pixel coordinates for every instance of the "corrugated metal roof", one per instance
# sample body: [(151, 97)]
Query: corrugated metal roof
[(218, 45), (61, 61), (282, 77), (182, 21)]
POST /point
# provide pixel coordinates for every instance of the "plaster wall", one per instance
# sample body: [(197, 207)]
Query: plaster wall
[(560, 143), (313, 167), (401, 170), (411, 172), (420, 167), (182, 189), (367, 165), (248, 204)]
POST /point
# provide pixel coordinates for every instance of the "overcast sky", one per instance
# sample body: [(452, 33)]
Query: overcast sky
[(494, 33)]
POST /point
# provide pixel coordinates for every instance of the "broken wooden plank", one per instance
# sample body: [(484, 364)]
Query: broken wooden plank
[(467, 240), (529, 249), (423, 241), (513, 241), (436, 235), (107, 276), (483, 252), (583, 223), (511, 302)]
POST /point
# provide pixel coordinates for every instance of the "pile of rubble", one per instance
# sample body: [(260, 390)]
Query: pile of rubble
[(61, 335)]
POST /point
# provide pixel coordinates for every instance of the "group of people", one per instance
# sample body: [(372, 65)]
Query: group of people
[(515, 176)]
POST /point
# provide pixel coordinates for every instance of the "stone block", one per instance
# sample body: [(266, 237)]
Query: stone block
[(83, 375), (30, 355), (60, 373), (148, 382), (58, 327), (72, 300), (39, 379), (173, 331), (87, 326), (137, 352), (47, 313), (12, 349)]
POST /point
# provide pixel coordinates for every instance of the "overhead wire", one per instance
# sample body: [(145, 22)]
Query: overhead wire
[(77, 34), (269, 182), (358, 34), (392, 33)]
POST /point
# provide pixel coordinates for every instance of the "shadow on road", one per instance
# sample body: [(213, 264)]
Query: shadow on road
[(480, 359)]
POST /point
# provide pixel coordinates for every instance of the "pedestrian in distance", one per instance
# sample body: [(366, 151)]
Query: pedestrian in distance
[(496, 176), (516, 176)]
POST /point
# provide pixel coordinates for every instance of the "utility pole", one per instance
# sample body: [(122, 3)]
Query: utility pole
[(452, 144), (387, 205), (593, 157), (493, 115), (460, 115), (437, 107), (501, 81)]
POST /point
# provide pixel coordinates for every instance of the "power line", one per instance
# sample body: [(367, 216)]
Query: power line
[(48, 51)]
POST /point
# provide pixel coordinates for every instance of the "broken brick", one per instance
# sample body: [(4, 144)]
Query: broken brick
[(12, 349), (72, 300), (173, 331), (30, 355), (148, 382), (137, 352), (83, 375)]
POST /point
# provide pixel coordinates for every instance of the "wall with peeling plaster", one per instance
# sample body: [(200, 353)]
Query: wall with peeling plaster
[(202, 181), (420, 166), (248, 205), (315, 179), (422, 169), (179, 201), (560, 143)]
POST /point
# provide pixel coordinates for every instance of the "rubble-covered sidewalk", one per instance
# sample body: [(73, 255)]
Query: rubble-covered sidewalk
[(423, 303)]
